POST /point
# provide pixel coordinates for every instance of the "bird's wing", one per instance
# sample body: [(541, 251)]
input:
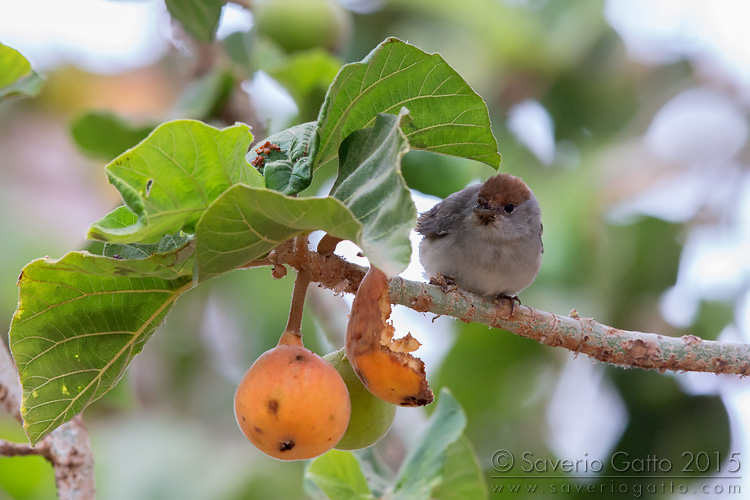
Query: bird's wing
[(443, 217), (430, 223)]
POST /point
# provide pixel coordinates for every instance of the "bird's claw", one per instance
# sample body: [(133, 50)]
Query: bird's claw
[(512, 299), (446, 283)]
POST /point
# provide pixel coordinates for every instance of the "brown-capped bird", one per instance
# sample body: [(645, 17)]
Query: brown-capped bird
[(486, 237)]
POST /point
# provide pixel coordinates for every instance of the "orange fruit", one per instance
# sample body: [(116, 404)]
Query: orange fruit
[(292, 404)]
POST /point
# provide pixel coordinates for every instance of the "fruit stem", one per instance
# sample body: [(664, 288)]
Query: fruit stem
[(294, 324)]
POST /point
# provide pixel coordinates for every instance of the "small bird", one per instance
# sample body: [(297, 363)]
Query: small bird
[(486, 238)]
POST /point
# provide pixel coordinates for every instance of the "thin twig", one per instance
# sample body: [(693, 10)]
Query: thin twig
[(10, 449), (294, 325), (579, 335)]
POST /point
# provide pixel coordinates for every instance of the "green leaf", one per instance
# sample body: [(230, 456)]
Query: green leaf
[(105, 134), (448, 116), (245, 223), (339, 476), (12, 65), (239, 47), (200, 18), (462, 475), (28, 86), (204, 97), (172, 256), (422, 469), (119, 218), (170, 178), (80, 321), (17, 79), (169, 243), (370, 184), (288, 169)]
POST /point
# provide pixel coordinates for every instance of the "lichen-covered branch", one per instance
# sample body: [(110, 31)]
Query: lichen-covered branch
[(67, 448), (580, 335)]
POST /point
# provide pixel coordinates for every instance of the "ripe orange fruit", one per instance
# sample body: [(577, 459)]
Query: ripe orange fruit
[(292, 404)]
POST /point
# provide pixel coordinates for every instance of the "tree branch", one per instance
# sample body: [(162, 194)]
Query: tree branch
[(67, 448), (581, 335), (10, 387)]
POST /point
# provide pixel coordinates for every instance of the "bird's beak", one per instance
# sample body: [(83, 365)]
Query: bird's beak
[(483, 212)]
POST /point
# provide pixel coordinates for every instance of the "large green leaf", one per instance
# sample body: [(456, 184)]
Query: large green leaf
[(105, 134), (170, 178), (339, 476), (200, 18), (370, 184), (17, 79), (448, 116), (245, 223), (422, 469), (80, 321), (287, 166)]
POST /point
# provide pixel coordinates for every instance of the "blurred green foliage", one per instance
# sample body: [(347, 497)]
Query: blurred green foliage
[(200, 18), (105, 134)]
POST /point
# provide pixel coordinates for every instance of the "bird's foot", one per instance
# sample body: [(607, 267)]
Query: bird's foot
[(446, 283), (510, 298)]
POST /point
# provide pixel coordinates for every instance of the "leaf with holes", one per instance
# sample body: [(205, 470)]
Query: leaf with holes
[(170, 178), (246, 223), (284, 158), (448, 117), (80, 321), (371, 185)]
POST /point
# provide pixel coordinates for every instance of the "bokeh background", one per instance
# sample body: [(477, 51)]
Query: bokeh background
[(628, 118)]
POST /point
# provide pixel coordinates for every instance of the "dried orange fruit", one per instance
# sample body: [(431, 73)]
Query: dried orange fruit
[(383, 364), (291, 403)]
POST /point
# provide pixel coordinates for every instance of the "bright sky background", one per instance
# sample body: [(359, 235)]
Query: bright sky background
[(124, 35)]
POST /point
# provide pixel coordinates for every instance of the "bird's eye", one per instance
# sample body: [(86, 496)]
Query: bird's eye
[(509, 208)]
